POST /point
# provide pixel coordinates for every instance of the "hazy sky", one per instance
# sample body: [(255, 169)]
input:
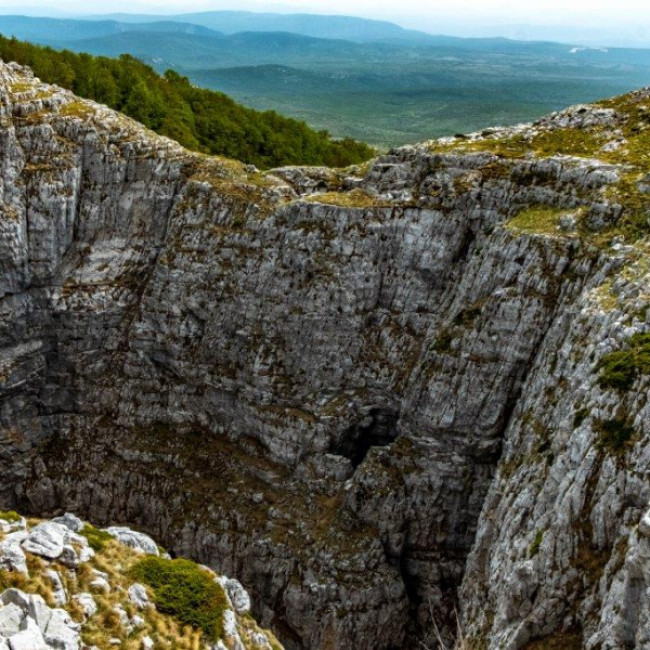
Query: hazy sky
[(631, 17)]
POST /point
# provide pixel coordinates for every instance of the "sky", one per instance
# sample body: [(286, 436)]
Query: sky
[(602, 19)]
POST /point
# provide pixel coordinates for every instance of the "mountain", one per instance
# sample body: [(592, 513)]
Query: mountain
[(399, 398), (200, 119), (359, 30), (388, 92), (62, 30)]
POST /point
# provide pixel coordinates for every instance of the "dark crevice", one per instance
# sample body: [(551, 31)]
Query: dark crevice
[(377, 429)]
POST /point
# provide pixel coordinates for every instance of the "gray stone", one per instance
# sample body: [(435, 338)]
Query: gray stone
[(62, 632), (29, 638), (87, 603), (138, 596), (46, 539), (12, 557), (70, 521), (241, 601), (60, 597), (134, 539), (11, 617)]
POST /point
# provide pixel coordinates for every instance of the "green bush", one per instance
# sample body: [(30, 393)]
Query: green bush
[(620, 369), (97, 539), (171, 105), (614, 435), (186, 591)]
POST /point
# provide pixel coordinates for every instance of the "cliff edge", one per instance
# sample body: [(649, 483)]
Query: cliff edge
[(372, 395)]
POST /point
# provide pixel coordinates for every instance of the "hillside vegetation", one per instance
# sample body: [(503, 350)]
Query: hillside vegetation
[(170, 105)]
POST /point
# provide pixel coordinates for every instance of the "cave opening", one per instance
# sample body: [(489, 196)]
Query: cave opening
[(377, 429)]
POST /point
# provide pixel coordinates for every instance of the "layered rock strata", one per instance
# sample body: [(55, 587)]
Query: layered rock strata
[(307, 378)]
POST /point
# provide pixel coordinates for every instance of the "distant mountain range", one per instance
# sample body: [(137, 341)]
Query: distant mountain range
[(366, 79), (358, 30)]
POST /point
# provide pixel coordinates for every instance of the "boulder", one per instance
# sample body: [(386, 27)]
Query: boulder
[(87, 603), (133, 539), (70, 521), (47, 539), (138, 596), (11, 617), (69, 557), (62, 632), (39, 612), (29, 637), (12, 557)]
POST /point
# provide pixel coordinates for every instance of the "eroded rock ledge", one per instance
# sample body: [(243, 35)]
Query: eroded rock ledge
[(306, 378)]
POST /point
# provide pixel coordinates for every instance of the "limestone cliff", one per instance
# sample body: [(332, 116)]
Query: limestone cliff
[(370, 395)]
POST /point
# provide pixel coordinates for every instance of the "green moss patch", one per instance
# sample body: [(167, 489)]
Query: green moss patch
[(619, 370), (10, 516), (533, 549), (538, 219), (185, 591), (614, 436), (97, 539)]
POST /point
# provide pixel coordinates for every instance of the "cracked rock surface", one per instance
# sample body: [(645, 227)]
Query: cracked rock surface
[(354, 391)]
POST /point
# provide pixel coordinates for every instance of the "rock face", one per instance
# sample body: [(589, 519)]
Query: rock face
[(306, 379)]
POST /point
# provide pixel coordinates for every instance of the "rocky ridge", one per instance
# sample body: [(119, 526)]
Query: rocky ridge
[(69, 586), (372, 395)]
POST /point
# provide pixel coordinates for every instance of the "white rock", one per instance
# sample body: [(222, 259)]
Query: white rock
[(70, 521), (133, 539), (10, 526), (241, 601), (138, 596), (137, 621), (29, 638), (87, 603), (15, 597), (39, 612), (60, 597), (124, 617), (12, 557), (46, 539), (86, 554), (644, 524), (62, 632), (11, 616), (147, 643), (259, 640), (230, 631), (100, 584)]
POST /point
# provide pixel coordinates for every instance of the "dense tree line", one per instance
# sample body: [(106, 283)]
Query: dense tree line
[(198, 118)]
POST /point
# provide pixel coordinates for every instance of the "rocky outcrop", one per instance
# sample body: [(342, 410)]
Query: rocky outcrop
[(38, 613), (306, 378)]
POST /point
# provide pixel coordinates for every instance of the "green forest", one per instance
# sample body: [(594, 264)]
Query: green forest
[(200, 119)]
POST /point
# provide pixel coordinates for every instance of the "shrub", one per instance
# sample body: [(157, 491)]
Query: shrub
[(186, 591), (97, 539), (579, 417), (620, 369), (614, 435), (442, 344)]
